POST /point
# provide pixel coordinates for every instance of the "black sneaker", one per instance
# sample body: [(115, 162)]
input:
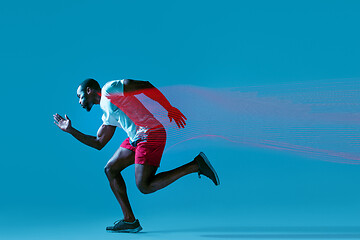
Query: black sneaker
[(127, 227), (206, 169)]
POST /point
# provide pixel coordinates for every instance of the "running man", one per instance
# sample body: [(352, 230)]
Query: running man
[(144, 145)]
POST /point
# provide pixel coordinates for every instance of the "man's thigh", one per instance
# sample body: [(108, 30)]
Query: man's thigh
[(121, 159), (144, 173), (150, 152)]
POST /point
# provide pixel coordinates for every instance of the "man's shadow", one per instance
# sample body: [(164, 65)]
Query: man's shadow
[(267, 232)]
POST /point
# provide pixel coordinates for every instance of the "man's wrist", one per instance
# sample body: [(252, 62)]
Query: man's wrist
[(169, 107), (70, 130)]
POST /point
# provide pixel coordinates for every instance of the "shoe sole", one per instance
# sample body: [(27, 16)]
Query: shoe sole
[(135, 230), (206, 160)]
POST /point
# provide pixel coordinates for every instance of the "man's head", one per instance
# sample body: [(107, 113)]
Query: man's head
[(88, 93)]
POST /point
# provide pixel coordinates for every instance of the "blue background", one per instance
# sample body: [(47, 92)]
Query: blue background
[(51, 183)]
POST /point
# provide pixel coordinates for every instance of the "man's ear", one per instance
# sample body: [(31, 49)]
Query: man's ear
[(88, 90)]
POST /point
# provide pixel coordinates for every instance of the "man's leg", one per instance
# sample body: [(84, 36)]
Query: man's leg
[(118, 162), (148, 182)]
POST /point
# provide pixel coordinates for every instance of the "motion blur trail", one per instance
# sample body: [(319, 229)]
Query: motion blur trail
[(318, 119)]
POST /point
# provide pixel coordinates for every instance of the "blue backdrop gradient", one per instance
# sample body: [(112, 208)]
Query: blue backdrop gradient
[(50, 183)]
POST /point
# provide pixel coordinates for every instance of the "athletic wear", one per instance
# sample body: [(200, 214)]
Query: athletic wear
[(148, 149), (126, 112), (146, 135), (112, 114), (206, 169), (122, 226)]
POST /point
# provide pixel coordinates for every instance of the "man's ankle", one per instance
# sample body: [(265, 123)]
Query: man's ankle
[(130, 219), (195, 165)]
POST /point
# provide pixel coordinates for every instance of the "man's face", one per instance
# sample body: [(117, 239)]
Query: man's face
[(85, 99)]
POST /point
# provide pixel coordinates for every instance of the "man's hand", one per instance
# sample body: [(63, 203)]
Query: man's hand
[(178, 117), (104, 134), (62, 123)]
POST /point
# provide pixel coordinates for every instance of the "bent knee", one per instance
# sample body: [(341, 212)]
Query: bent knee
[(110, 171), (144, 188)]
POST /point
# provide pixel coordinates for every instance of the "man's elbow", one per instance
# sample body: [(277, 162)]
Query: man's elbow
[(99, 146), (134, 87)]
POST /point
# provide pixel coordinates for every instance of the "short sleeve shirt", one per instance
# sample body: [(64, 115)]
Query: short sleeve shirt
[(112, 115)]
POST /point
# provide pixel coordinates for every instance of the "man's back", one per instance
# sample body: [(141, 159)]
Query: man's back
[(125, 110)]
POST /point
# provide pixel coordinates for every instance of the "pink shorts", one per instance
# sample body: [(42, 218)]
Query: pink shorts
[(148, 151)]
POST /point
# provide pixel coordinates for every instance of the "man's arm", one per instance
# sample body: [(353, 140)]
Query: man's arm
[(133, 87), (104, 133)]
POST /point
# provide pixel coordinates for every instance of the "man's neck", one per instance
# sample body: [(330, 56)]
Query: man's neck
[(98, 97)]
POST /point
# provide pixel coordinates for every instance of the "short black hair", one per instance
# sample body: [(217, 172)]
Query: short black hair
[(91, 83)]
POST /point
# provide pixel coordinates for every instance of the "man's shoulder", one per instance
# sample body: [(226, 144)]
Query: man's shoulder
[(114, 86)]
